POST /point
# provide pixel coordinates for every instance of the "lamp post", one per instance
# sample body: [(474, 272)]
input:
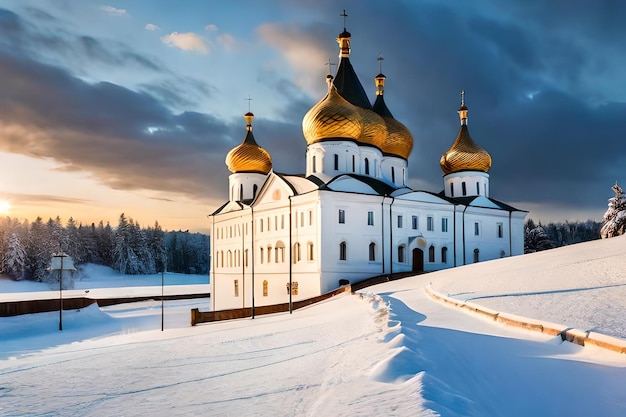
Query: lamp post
[(162, 311), (57, 265)]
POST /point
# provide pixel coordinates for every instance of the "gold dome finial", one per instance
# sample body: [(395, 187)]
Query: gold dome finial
[(464, 154), (380, 78), (248, 156), (344, 39)]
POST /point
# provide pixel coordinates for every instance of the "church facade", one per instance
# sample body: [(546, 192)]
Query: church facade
[(351, 215)]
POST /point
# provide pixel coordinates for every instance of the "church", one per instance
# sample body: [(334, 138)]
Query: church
[(351, 215)]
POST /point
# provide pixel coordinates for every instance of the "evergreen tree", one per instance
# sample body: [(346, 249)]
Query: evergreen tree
[(615, 216), (39, 250), (536, 240), (14, 259)]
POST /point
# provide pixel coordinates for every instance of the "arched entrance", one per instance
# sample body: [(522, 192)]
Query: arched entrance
[(418, 260)]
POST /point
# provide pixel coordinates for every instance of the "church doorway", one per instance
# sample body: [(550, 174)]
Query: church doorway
[(418, 260)]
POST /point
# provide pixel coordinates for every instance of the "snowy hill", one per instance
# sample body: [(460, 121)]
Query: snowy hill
[(391, 351)]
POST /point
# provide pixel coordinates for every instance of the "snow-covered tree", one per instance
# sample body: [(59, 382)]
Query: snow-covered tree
[(536, 240), (615, 216), (14, 259)]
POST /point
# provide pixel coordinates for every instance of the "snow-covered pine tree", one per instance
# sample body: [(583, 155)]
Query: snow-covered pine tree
[(14, 259), (615, 216), (536, 240)]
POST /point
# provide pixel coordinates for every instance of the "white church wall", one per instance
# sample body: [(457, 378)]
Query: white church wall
[(394, 170), (466, 183), (333, 158), (492, 240)]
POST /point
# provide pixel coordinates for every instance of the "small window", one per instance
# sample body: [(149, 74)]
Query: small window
[(399, 221), (342, 216), (302, 219), (236, 288), (444, 224), (343, 249), (269, 253), (314, 164), (476, 229), (310, 217), (282, 221), (452, 189), (372, 251), (476, 255), (393, 175), (309, 251), (430, 223), (296, 253), (240, 192), (367, 166), (353, 164), (254, 190), (370, 218), (260, 225), (463, 188), (401, 254), (500, 230), (336, 157), (431, 254), (264, 288), (245, 257), (415, 222), (261, 254), (477, 188), (444, 255)]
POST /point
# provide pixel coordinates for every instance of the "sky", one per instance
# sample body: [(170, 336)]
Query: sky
[(390, 350), (131, 106)]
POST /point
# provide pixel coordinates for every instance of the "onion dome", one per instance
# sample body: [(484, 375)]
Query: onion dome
[(332, 118), (249, 157), (398, 141), (464, 155)]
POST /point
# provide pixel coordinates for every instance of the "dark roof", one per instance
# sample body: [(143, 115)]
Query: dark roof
[(466, 201), (249, 139), (380, 107), (382, 188), (349, 86), (222, 207)]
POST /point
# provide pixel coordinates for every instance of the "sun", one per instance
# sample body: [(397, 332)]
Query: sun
[(5, 206)]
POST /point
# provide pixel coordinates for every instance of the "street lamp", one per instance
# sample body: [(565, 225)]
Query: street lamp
[(57, 265)]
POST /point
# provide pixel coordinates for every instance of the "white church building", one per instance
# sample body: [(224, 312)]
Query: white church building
[(351, 216)]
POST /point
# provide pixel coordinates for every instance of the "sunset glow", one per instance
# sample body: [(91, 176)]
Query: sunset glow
[(5, 207)]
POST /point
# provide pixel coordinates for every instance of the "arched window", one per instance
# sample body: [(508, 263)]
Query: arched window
[(240, 192), (309, 253), (463, 188), (245, 257), (261, 254), (264, 288), (477, 188), (296, 252), (431, 254), (452, 189), (314, 168), (280, 251), (230, 258), (444, 255), (254, 190), (393, 175), (476, 255), (401, 254), (336, 158), (367, 166), (269, 253), (372, 250), (222, 258), (343, 251), (353, 164)]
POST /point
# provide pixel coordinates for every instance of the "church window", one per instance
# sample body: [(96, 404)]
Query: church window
[(302, 219), (254, 190), (236, 288), (370, 218), (444, 224), (296, 253), (264, 288), (342, 216), (476, 255), (280, 252), (353, 164), (401, 254), (403, 176), (269, 253), (309, 251), (430, 223), (222, 258), (260, 225), (500, 230), (367, 166), (310, 217), (431, 254), (463, 188), (414, 222), (476, 229), (444, 255), (452, 189), (399, 221), (314, 168), (477, 188), (245, 257), (261, 253), (372, 250), (230, 231), (393, 175), (240, 192), (336, 157), (343, 249), (229, 255), (269, 224), (282, 221)]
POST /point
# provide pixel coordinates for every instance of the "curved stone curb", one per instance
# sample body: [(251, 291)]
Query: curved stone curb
[(568, 334)]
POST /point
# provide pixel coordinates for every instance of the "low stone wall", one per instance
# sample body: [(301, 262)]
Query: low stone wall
[(568, 334), (198, 316), (16, 308)]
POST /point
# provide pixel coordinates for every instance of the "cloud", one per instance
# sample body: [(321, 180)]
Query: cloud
[(227, 41), (211, 27), (152, 27), (113, 11), (188, 41)]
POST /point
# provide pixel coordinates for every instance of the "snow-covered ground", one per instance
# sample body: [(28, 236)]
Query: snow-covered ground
[(389, 351)]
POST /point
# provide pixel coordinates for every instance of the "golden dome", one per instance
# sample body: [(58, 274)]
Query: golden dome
[(374, 129), (332, 118), (465, 155), (398, 141), (248, 157)]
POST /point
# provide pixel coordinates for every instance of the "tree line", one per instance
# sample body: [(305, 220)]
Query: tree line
[(26, 247)]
